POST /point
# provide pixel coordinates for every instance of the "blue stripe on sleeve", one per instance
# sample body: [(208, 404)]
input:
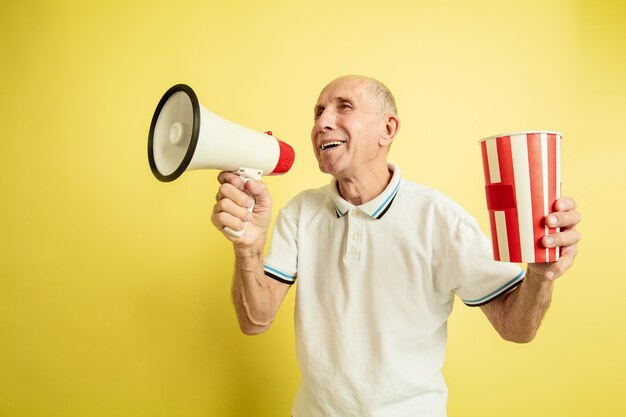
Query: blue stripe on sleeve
[(278, 273), (497, 292)]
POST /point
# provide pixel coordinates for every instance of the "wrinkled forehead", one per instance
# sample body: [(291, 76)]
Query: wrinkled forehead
[(350, 88)]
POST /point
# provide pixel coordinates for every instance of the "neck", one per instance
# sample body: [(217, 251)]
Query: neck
[(370, 183)]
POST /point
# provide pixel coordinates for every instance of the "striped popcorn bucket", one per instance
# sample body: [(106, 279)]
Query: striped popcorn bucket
[(522, 182)]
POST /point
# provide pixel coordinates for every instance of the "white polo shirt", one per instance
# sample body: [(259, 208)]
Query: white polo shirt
[(376, 284)]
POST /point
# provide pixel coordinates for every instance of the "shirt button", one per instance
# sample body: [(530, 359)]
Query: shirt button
[(355, 236), (354, 213)]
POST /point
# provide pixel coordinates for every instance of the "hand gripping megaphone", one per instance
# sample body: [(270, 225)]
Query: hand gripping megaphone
[(185, 136)]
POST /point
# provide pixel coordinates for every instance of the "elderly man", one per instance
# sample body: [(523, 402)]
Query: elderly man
[(378, 261)]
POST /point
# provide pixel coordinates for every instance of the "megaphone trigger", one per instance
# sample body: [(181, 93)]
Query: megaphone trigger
[(249, 173)]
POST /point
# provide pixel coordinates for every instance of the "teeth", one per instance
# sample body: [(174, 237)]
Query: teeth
[(328, 145)]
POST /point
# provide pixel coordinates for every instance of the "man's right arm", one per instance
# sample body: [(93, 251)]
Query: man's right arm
[(256, 297)]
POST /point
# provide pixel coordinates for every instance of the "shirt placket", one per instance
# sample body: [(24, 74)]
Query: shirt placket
[(355, 237)]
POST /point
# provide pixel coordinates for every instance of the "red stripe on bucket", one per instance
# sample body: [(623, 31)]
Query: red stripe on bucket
[(492, 216), (505, 161)]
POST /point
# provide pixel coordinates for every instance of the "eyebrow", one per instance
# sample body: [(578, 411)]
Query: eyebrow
[(338, 99)]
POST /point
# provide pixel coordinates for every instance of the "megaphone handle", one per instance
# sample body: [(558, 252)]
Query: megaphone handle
[(246, 174)]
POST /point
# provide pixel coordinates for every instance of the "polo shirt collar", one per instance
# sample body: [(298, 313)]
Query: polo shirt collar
[(375, 208)]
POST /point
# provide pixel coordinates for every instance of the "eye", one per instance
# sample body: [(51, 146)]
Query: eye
[(318, 112), (345, 106)]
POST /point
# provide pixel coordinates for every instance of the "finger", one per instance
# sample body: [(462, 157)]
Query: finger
[(560, 267), (223, 219), (230, 192), (567, 237), (256, 188), (228, 206), (565, 204), (571, 251), (227, 177), (563, 219)]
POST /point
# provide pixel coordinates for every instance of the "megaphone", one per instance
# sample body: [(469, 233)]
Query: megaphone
[(185, 136)]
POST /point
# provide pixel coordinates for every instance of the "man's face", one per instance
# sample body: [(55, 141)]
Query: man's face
[(347, 127)]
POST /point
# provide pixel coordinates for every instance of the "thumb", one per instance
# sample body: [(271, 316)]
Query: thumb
[(258, 190)]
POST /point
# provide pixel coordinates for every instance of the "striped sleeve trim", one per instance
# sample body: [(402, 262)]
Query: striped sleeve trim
[(495, 294), (279, 275)]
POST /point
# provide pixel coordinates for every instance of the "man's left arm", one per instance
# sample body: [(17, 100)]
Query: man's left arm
[(517, 314)]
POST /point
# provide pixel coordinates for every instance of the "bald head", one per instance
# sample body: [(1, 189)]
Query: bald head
[(377, 90), (384, 97)]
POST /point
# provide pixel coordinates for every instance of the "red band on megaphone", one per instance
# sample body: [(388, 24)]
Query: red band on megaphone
[(285, 160)]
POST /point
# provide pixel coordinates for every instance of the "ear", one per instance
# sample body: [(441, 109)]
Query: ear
[(392, 126)]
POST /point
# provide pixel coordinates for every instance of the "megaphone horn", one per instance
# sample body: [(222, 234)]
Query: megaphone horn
[(184, 136)]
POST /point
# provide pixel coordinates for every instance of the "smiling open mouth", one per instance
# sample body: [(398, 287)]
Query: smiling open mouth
[(332, 144)]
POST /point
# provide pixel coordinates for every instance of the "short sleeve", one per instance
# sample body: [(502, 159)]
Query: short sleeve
[(474, 274), (281, 262)]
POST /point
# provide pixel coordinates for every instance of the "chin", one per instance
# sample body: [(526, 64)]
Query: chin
[(327, 168), (332, 166)]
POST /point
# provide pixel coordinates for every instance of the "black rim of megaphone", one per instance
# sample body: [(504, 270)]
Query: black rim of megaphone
[(194, 134)]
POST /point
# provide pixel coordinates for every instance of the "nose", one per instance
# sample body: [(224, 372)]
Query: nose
[(325, 121)]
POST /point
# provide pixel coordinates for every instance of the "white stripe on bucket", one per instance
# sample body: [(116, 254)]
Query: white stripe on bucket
[(544, 175), (519, 151), (558, 182)]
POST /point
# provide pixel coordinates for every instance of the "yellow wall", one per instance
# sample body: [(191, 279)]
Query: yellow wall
[(114, 288)]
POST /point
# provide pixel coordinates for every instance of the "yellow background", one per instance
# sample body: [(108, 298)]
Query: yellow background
[(114, 287)]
